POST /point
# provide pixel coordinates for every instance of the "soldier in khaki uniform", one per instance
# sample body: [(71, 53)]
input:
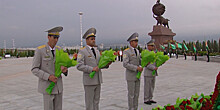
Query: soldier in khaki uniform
[(132, 63), (43, 67), (149, 79), (88, 59)]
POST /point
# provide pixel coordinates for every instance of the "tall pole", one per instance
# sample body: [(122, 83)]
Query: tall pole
[(5, 45), (80, 15), (13, 43)]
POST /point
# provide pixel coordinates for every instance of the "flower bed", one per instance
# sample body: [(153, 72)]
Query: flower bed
[(197, 102)]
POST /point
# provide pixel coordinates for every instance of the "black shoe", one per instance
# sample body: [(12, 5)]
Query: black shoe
[(148, 103), (153, 101)]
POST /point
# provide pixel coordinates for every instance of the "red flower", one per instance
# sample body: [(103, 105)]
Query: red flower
[(170, 107), (188, 102), (201, 100), (216, 90), (182, 107), (189, 108), (184, 103), (194, 99)]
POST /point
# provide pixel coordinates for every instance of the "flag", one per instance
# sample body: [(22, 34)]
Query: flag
[(185, 47), (168, 48), (206, 45), (173, 46), (194, 47), (179, 45), (161, 46)]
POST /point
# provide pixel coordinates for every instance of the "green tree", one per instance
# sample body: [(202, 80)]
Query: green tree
[(197, 46), (22, 54), (203, 46), (209, 45), (215, 46), (116, 49), (183, 46), (71, 51), (189, 45), (67, 50), (212, 45), (31, 53), (139, 48), (219, 45), (15, 52), (1, 52), (8, 51)]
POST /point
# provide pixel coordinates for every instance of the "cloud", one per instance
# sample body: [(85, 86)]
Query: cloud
[(115, 20)]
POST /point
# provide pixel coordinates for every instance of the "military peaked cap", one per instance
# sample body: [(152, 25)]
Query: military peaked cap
[(133, 37), (90, 33), (151, 42), (55, 31)]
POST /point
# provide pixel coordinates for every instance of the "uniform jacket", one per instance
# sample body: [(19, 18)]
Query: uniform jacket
[(86, 61), (43, 66), (131, 62)]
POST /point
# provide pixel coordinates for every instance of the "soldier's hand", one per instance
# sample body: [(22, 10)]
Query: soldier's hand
[(53, 78), (156, 68), (64, 69), (109, 63), (96, 69), (140, 69)]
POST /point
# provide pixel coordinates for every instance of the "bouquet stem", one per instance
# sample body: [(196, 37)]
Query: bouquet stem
[(50, 88), (138, 75), (153, 73), (91, 75)]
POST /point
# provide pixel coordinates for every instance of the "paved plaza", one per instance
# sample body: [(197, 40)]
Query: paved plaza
[(177, 78)]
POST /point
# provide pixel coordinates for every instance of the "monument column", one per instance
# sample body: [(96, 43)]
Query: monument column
[(161, 31), (161, 34)]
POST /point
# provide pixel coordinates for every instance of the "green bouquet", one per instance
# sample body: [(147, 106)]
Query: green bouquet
[(146, 57), (160, 59), (106, 57), (62, 59)]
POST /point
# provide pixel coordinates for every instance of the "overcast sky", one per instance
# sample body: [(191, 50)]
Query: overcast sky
[(115, 20)]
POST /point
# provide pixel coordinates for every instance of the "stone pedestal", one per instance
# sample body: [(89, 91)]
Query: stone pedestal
[(161, 34)]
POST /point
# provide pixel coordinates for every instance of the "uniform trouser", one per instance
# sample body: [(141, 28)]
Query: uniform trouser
[(92, 96), (208, 58), (133, 94), (149, 84), (53, 101)]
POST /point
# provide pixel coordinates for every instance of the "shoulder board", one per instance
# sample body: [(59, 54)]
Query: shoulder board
[(126, 49), (58, 46), (42, 46), (82, 48)]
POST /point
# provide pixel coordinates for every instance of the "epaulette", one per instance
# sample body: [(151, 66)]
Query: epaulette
[(42, 46), (126, 49), (58, 47), (82, 48)]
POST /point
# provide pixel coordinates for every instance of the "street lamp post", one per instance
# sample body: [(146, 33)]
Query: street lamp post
[(80, 15), (5, 46)]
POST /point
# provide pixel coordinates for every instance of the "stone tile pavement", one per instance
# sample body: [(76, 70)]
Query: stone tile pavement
[(177, 78)]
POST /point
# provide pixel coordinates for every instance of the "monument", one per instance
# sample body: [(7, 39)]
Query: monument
[(161, 31)]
